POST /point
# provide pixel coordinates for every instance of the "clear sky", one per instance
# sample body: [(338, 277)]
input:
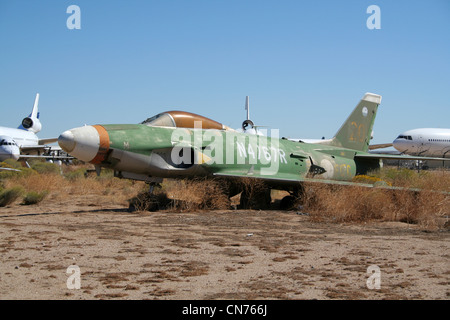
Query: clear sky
[(304, 64)]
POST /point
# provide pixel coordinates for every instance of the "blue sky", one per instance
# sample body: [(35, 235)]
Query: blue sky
[(304, 64)]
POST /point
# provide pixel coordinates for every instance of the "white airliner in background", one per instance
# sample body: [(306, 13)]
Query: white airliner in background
[(429, 142), (23, 141)]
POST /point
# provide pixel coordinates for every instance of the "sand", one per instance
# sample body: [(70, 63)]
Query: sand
[(232, 254)]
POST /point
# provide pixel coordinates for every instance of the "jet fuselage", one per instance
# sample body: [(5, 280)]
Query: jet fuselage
[(183, 152)]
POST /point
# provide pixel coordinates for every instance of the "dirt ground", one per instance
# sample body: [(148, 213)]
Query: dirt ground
[(234, 254)]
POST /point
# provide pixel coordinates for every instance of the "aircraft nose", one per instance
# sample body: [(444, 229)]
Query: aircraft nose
[(67, 141), (88, 143), (400, 144), (15, 155)]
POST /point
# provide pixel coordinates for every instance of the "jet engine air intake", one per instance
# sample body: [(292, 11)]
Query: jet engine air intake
[(33, 125)]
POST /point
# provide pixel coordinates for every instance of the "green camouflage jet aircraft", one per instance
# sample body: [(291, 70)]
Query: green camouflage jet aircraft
[(179, 144)]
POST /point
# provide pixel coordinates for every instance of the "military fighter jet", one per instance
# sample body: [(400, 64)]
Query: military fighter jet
[(177, 144)]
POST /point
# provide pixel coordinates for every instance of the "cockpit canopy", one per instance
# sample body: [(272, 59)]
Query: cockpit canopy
[(404, 137), (182, 119)]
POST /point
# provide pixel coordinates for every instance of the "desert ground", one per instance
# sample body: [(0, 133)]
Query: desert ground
[(213, 254)]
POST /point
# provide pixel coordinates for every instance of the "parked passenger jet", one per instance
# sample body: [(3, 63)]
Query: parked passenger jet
[(23, 141), (430, 142)]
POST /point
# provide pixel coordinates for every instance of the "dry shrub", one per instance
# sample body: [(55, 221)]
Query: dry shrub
[(60, 187), (38, 182), (343, 203), (34, 197), (146, 201), (198, 194), (359, 204), (183, 195), (8, 196), (426, 208), (255, 194), (115, 189), (426, 180)]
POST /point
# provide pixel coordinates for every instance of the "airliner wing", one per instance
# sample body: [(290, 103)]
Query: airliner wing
[(8, 169), (32, 148), (47, 141), (395, 157), (35, 151), (380, 146), (48, 157)]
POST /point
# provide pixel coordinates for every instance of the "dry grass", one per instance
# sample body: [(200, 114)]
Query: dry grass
[(60, 186), (429, 207), (255, 194), (192, 195), (426, 180)]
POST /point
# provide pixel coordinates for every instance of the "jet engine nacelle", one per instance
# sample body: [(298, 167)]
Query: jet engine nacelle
[(32, 124)]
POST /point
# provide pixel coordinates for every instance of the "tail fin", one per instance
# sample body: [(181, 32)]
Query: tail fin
[(32, 122), (356, 131)]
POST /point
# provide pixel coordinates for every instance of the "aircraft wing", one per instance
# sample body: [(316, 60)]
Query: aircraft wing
[(380, 146), (28, 156), (280, 181), (395, 157), (9, 169), (37, 149), (47, 141), (32, 148), (288, 180)]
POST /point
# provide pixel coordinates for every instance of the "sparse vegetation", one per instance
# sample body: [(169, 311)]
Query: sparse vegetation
[(34, 197), (45, 167), (55, 182), (251, 254), (75, 174), (255, 194), (10, 195), (197, 194), (183, 195), (428, 208)]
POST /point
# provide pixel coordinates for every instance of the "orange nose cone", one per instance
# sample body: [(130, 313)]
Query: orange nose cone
[(103, 146)]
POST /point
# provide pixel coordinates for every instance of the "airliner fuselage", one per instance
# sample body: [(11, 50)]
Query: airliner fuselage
[(429, 142)]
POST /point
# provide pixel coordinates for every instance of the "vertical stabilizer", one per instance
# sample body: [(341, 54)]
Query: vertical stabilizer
[(32, 122), (356, 131), (34, 112), (247, 107)]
